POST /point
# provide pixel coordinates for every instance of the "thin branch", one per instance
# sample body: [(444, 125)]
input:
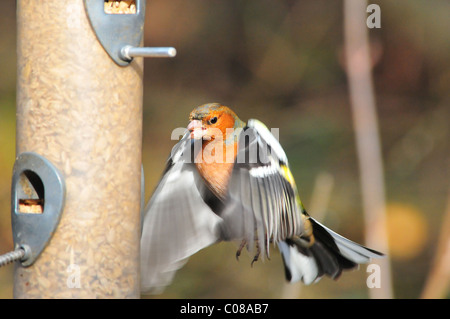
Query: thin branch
[(368, 147), (439, 277)]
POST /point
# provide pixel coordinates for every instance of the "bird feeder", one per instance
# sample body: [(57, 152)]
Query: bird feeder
[(76, 190)]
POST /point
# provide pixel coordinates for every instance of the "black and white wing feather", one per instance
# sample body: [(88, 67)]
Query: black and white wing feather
[(177, 222), (262, 202), (263, 205)]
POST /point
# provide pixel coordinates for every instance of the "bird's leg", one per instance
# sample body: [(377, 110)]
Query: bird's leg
[(241, 246), (258, 252)]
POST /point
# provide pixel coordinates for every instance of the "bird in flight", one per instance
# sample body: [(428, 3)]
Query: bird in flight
[(227, 180)]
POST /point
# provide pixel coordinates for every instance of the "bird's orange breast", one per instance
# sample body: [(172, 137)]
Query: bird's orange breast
[(215, 164)]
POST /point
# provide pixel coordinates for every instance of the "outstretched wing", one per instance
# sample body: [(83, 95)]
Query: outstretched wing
[(177, 221), (262, 201)]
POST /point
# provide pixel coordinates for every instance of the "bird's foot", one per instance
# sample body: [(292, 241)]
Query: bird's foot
[(241, 246), (256, 257)]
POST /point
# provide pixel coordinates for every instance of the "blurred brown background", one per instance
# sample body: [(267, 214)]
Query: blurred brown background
[(282, 63)]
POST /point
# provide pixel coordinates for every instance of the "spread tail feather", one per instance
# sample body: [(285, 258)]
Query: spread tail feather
[(328, 255)]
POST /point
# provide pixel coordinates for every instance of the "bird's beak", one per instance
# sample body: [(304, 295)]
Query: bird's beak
[(197, 130)]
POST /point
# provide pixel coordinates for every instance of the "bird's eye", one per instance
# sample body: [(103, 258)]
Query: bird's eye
[(213, 120)]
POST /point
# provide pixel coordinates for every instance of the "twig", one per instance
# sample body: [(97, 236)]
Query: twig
[(367, 137), (439, 277)]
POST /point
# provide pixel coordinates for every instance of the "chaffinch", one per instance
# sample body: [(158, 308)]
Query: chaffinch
[(227, 180)]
